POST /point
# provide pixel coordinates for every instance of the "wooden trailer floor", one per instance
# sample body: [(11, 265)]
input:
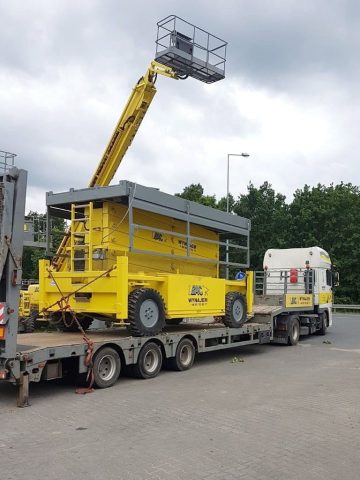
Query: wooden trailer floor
[(40, 340)]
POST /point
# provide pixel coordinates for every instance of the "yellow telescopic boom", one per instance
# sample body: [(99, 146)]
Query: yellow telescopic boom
[(128, 124), (124, 133)]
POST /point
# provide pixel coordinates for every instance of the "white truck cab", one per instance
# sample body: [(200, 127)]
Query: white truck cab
[(300, 279), (301, 271)]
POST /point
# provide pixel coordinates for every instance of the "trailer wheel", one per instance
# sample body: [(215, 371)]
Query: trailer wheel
[(106, 367), (235, 310), (184, 356), (293, 330), (146, 312), (323, 324), (149, 362)]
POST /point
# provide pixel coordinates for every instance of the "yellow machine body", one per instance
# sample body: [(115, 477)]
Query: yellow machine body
[(29, 301), (24, 305), (107, 232), (183, 295)]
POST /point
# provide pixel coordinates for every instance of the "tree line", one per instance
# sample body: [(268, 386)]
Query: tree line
[(326, 216)]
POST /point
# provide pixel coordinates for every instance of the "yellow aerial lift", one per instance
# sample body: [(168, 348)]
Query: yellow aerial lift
[(133, 254), (124, 132)]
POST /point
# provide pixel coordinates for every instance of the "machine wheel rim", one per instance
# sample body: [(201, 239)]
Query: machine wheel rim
[(107, 367), (149, 313), (237, 310), (151, 361), (186, 355)]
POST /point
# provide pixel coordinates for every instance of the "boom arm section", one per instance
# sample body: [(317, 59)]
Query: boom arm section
[(128, 124), (124, 133)]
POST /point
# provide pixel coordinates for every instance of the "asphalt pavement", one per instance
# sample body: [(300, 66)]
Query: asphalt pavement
[(276, 412)]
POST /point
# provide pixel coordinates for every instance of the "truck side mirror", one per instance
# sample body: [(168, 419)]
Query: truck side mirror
[(335, 279)]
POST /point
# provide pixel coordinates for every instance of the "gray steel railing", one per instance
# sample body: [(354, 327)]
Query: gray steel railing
[(283, 281), (7, 161), (344, 306)]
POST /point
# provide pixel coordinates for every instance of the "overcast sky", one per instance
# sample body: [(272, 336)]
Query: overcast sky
[(290, 97)]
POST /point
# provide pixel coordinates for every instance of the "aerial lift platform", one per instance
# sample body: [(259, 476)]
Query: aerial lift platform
[(101, 243)]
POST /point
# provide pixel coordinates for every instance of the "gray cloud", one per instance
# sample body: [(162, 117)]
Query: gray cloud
[(290, 96)]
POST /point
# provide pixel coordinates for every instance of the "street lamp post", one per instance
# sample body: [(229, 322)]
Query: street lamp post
[(228, 200)]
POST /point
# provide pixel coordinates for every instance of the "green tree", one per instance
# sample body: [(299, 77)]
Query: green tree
[(32, 255), (195, 193), (325, 216), (269, 217), (330, 218)]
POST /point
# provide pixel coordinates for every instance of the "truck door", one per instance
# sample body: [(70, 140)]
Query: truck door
[(323, 295)]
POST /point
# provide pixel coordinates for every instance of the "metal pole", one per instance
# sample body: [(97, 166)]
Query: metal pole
[(228, 202), (48, 233), (228, 183), (227, 210)]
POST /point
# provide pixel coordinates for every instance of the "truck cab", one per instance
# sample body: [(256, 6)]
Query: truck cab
[(296, 288)]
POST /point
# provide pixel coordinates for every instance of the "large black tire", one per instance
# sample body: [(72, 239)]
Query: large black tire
[(323, 324), (235, 310), (29, 323), (106, 367), (26, 325), (70, 325), (146, 313), (293, 330), (149, 361), (184, 356)]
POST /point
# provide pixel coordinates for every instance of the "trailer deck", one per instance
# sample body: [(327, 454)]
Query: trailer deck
[(60, 344), (45, 355)]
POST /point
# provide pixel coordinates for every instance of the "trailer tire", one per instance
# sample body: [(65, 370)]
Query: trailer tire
[(235, 310), (106, 367), (146, 312), (149, 361), (293, 330), (323, 324), (184, 356)]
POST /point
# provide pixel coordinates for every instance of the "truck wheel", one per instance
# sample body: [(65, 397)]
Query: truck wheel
[(106, 367), (235, 310), (323, 324), (149, 362), (293, 330), (184, 356), (146, 312)]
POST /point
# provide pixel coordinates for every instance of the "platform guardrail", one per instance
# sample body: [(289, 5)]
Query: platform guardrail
[(345, 307)]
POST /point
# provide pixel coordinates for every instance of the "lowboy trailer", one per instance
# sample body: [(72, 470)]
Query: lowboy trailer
[(53, 355)]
